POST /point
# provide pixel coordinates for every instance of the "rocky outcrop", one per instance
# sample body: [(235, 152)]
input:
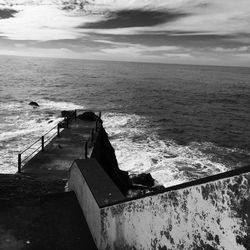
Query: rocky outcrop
[(104, 153), (88, 116), (143, 184), (130, 186), (34, 104), (68, 113), (143, 179)]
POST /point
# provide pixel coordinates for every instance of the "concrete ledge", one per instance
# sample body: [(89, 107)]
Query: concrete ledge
[(93, 189), (101, 186), (212, 213)]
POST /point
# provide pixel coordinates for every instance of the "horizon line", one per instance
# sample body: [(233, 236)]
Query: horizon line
[(125, 61)]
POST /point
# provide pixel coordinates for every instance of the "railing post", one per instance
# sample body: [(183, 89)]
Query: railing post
[(58, 129), (19, 163), (86, 150), (42, 143)]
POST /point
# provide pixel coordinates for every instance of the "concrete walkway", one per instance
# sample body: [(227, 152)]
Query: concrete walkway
[(43, 222), (61, 151), (35, 211)]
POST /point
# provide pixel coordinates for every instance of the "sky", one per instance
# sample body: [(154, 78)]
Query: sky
[(207, 32)]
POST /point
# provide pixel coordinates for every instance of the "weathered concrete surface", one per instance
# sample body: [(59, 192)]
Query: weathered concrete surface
[(62, 151), (101, 186), (87, 202), (93, 188), (35, 211), (26, 186), (43, 222), (207, 216)]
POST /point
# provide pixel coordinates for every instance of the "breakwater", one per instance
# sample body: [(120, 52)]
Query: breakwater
[(208, 213), (35, 210)]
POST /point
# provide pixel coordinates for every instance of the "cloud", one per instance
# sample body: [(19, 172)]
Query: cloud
[(7, 13), (128, 50), (196, 31), (134, 18), (40, 23), (232, 50)]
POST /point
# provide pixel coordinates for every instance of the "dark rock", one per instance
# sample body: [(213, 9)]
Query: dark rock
[(140, 190), (34, 104), (104, 153), (68, 113), (158, 188), (143, 179), (88, 116)]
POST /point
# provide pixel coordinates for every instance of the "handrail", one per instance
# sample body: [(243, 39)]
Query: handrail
[(50, 137), (30, 146), (51, 129), (39, 139), (43, 142), (57, 127), (31, 153)]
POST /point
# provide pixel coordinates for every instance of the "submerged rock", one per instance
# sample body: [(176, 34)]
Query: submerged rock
[(143, 179), (34, 104), (143, 184)]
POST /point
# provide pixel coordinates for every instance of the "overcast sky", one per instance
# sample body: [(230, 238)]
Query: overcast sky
[(172, 31)]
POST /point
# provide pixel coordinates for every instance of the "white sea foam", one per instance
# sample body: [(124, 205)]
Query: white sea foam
[(168, 162), (22, 125), (53, 105)]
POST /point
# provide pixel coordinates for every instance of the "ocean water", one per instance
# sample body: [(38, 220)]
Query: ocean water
[(176, 122)]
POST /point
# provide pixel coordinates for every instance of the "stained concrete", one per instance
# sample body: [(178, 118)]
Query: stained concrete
[(213, 215)]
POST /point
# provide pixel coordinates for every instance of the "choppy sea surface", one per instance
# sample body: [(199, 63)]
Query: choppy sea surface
[(176, 122)]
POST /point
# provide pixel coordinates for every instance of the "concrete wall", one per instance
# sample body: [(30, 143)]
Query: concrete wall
[(89, 206), (206, 216)]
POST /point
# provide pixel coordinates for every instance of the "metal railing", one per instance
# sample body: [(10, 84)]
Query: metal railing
[(39, 144)]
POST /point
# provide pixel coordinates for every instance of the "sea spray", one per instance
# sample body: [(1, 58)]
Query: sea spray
[(22, 125), (139, 149)]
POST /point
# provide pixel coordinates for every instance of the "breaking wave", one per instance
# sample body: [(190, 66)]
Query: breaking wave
[(22, 125), (140, 150)]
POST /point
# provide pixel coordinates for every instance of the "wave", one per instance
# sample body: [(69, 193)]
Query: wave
[(22, 125), (54, 105), (43, 104), (141, 150)]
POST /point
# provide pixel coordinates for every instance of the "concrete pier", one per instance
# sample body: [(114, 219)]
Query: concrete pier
[(35, 211), (59, 154)]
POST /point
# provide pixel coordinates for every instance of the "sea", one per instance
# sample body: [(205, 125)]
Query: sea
[(177, 122)]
